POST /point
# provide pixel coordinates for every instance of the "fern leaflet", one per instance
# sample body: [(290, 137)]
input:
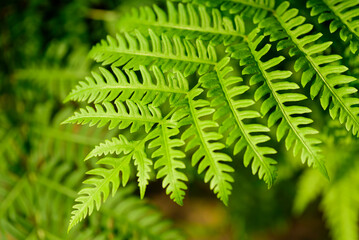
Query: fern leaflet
[(224, 90), (343, 15), (326, 75), (130, 51), (187, 20), (272, 83), (207, 155), (118, 116), (126, 85), (91, 196), (169, 161)]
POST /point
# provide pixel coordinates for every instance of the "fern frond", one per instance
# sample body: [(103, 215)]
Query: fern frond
[(323, 71), (187, 20), (225, 91), (207, 155), (126, 85), (118, 115), (343, 16), (117, 145), (169, 162), (277, 93), (143, 165), (100, 186), (120, 145), (130, 51)]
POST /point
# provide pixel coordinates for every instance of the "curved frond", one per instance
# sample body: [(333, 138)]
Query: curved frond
[(208, 156), (118, 115), (117, 145), (187, 20), (277, 94), (153, 86), (343, 16), (130, 51), (225, 91), (169, 162), (100, 186), (323, 71)]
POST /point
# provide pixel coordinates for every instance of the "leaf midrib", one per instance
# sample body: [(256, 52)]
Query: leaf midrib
[(244, 133), (213, 163), (142, 53)]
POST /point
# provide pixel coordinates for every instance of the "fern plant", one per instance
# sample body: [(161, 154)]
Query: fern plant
[(209, 83)]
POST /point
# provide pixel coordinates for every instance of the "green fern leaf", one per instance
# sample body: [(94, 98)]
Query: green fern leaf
[(225, 91), (190, 21), (100, 186), (343, 16), (323, 71), (137, 115), (207, 156), (130, 51), (127, 85), (117, 145), (143, 164), (169, 159), (272, 89)]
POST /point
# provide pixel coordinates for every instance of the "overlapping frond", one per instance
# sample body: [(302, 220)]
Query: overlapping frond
[(208, 153), (323, 72), (169, 163), (225, 91), (188, 20), (343, 16), (131, 50), (277, 93), (117, 115)]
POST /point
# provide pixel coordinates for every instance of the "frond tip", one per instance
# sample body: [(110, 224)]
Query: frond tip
[(99, 190), (169, 161), (208, 156)]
